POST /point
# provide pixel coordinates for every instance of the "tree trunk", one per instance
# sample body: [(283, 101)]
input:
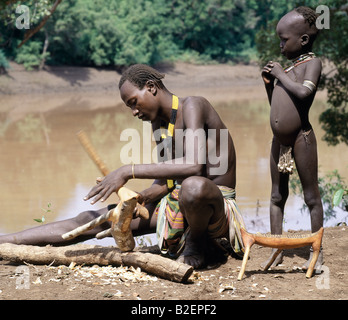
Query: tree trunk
[(44, 50)]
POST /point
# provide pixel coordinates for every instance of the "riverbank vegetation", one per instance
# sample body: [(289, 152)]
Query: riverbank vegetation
[(119, 33)]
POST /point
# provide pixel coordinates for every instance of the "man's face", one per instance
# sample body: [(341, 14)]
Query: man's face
[(290, 30), (140, 101)]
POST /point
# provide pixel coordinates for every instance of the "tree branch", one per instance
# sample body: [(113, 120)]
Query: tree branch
[(31, 32)]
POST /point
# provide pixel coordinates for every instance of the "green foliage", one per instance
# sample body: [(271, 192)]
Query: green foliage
[(328, 186), (3, 61), (39, 9), (46, 211), (338, 197), (220, 30), (124, 32), (30, 55), (334, 46)]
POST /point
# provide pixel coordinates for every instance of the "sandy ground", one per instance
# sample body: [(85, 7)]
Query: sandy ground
[(285, 282)]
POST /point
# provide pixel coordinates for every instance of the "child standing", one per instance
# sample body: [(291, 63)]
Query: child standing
[(290, 93)]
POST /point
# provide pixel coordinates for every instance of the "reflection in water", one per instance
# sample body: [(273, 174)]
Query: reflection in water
[(42, 161)]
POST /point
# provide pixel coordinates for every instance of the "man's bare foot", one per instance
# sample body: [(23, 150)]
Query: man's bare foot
[(278, 260), (193, 254), (319, 262)]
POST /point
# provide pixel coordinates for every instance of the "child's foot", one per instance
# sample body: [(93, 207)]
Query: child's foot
[(319, 262), (278, 260)]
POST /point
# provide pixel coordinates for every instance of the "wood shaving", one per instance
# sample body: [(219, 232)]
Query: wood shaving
[(104, 275)]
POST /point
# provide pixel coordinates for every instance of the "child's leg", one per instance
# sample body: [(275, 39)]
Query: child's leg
[(279, 195), (280, 190), (306, 159)]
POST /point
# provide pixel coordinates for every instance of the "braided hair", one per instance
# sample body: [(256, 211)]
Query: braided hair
[(310, 17), (308, 14), (139, 74)]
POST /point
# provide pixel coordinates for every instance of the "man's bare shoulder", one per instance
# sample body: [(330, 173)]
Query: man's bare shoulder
[(196, 102), (198, 110)]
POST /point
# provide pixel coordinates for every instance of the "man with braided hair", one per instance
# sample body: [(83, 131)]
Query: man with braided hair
[(190, 202), (291, 92)]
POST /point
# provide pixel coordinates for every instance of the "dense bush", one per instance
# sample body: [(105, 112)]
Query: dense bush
[(123, 32)]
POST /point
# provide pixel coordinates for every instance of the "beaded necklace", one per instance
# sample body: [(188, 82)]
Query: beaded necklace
[(301, 59), (167, 134)]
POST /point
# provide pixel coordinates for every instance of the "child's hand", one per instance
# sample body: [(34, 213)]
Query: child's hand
[(267, 77), (276, 69)]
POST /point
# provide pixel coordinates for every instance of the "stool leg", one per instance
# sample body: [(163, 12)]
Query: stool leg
[(245, 260), (314, 260)]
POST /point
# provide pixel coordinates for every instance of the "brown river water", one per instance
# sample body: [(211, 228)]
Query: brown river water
[(46, 172)]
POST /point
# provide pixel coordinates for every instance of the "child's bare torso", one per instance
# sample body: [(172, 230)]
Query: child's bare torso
[(289, 115)]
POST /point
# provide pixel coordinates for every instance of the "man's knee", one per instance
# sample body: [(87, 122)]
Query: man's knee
[(193, 190)]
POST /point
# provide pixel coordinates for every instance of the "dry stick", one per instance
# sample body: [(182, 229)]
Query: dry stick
[(83, 254), (282, 242), (88, 226), (85, 142), (120, 217)]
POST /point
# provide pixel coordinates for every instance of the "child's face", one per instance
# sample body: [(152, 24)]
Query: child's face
[(141, 101), (290, 30)]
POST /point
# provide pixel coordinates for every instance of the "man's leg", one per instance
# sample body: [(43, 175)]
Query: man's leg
[(201, 203), (51, 233)]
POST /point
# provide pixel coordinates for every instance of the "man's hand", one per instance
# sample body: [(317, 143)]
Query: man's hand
[(108, 185)]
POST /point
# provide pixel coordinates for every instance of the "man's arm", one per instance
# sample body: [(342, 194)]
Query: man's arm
[(157, 191), (177, 169)]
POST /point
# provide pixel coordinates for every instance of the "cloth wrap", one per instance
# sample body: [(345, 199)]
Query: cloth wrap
[(172, 227)]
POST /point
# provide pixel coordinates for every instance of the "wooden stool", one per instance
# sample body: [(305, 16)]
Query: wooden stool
[(281, 242)]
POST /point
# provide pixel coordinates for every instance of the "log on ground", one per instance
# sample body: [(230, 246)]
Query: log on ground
[(90, 254)]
